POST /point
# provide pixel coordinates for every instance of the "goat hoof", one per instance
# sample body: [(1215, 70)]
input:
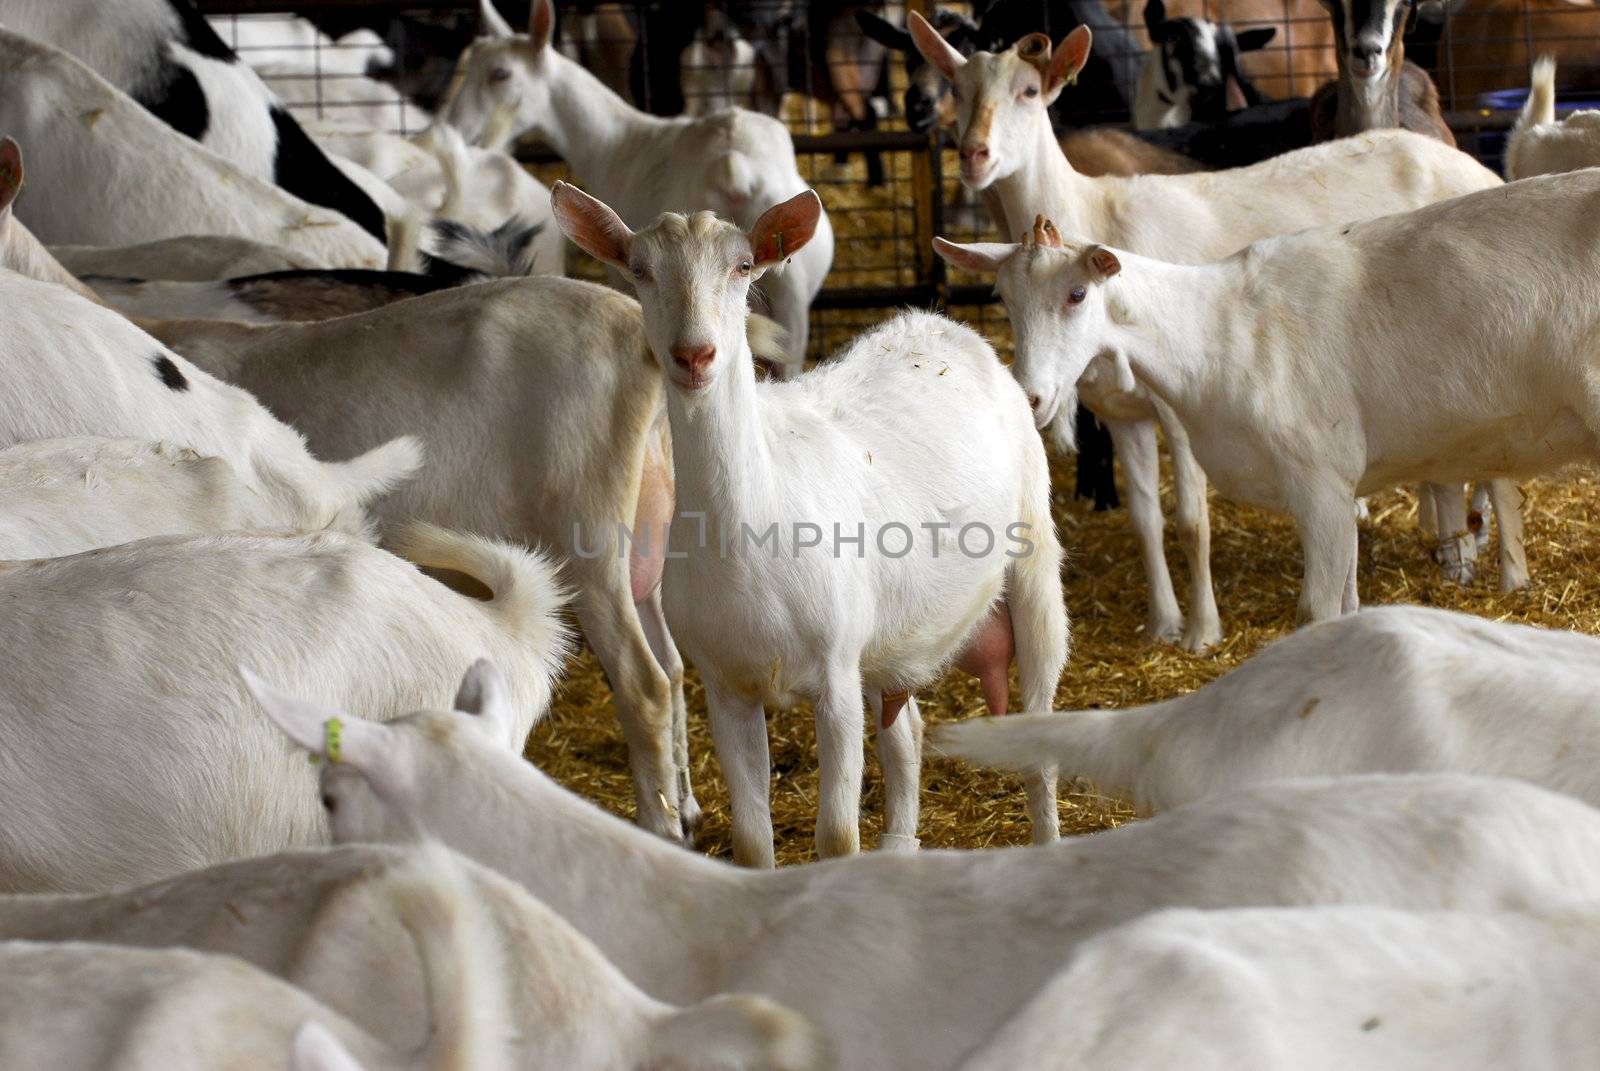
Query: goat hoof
[(1167, 631), (1196, 640), (689, 818)]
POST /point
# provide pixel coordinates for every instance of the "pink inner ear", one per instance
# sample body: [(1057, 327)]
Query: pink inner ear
[(1105, 262), (592, 226), (539, 22), (783, 229), (1071, 57)]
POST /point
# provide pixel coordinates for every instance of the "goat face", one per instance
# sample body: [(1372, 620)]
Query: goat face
[(1055, 296), (927, 96), (1370, 37), (1001, 97), (500, 76)]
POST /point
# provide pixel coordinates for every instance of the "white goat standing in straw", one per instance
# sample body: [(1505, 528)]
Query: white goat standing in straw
[(917, 426)]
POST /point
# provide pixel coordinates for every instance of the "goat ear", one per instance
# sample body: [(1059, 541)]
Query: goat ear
[(883, 31), (1034, 49), (978, 257), (783, 229), (1103, 262), (314, 1048), (1254, 40), (1155, 15), (490, 22), (486, 695), (1069, 59), (306, 723), (934, 48), (591, 225), (541, 23), (10, 174)]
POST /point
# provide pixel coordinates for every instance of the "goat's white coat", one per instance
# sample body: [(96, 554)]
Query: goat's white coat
[(1184, 218), (1393, 383), (64, 496), (76, 368), (131, 751), (1394, 690), (188, 258), (107, 172), (540, 402), (734, 163), (334, 924), (1541, 146), (906, 960), (1318, 989)]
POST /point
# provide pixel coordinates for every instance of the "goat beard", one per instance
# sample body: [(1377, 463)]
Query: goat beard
[(1063, 427)]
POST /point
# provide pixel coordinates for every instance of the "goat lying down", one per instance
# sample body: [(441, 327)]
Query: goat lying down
[(1393, 690), (1365, 368), (1318, 989), (853, 943), (375, 934)]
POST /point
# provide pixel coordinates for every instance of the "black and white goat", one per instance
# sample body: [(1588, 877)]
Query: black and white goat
[(1192, 70)]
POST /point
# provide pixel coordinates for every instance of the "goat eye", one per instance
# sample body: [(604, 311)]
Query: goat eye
[(638, 272), (1031, 91), (744, 267), (500, 74), (1078, 294), (329, 804)]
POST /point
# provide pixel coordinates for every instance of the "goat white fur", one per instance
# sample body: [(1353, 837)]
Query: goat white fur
[(109, 173), (130, 750), (863, 445), (853, 943), (63, 496), (1320, 989), (543, 413), (176, 1008), (190, 258), (1395, 690), (734, 163), (1008, 146), (1386, 388), (1541, 146), (320, 919), (76, 368)]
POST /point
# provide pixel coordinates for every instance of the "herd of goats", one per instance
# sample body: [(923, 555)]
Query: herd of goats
[(1375, 843)]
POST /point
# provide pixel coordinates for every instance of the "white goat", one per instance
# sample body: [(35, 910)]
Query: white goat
[(734, 163), (320, 920), (63, 496), (117, 684), (110, 173), (163, 55), (960, 937), (181, 1009), (1541, 146), (76, 368), (1322, 988), (1346, 409), (190, 257), (1394, 690), (852, 451), (543, 413), (1007, 146)]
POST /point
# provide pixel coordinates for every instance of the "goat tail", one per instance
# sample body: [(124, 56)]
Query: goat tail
[(405, 242), (1540, 107), (524, 586), (379, 470), (461, 960), (1103, 746)]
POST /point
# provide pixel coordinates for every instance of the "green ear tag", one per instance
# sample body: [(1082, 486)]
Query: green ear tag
[(333, 732), (777, 240), (1072, 79)]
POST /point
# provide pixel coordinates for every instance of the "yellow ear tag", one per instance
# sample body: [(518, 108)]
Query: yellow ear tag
[(1072, 79), (777, 239), (333, 732)]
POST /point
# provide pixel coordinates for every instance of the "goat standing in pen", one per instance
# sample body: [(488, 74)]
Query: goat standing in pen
[(863, 445), (1007, 145), (731, 163), (1316, 367)]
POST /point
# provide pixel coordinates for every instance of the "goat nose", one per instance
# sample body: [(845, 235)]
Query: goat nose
[(1033, 402), (693, 359), (974, 153)]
